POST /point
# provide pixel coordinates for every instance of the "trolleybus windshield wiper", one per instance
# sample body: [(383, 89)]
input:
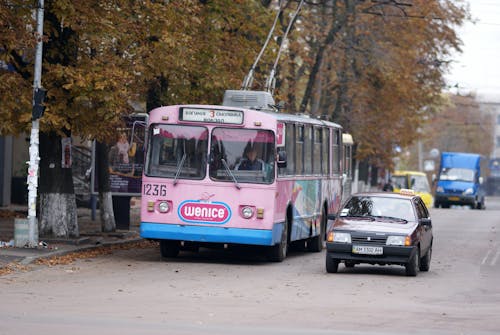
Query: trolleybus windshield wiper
[(230, 173), (179, 167)]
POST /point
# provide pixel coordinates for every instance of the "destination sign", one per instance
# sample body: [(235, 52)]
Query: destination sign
[(211, 115)]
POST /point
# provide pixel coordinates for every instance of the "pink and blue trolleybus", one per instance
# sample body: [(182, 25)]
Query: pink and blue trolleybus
[(201, 188)]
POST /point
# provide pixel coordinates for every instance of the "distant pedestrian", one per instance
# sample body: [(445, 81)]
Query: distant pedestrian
[(388, 187)]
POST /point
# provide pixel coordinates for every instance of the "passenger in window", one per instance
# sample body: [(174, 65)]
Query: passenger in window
[(250, 160)]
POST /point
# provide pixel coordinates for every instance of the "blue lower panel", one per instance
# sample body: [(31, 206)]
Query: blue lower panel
[(211, 234)]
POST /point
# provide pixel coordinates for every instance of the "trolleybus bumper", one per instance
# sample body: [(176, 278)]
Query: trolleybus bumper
[(158, 231)]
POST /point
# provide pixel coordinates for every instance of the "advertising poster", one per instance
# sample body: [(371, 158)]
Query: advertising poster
[(126, 158)]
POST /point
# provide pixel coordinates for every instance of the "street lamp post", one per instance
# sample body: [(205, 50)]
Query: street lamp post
[(33, 167)]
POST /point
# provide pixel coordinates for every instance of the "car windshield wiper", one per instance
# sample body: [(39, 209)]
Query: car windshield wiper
[(392, 218), (179, 167), (369, 217), (228, 170)]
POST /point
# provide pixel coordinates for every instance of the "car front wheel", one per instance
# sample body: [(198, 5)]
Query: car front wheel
[(425, 262), (412, 265), (332, 264)]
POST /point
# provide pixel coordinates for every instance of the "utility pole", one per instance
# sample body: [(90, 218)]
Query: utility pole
[(38, 97)]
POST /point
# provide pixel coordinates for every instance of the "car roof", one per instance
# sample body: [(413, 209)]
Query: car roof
[(385, 195), (406, 172)]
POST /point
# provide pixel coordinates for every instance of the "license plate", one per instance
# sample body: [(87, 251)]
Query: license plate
[(367, 250), (453, 198)]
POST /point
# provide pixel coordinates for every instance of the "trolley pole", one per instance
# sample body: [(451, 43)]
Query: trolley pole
[(38, 97)]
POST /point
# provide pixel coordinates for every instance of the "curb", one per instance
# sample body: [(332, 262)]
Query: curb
[(30, 259)]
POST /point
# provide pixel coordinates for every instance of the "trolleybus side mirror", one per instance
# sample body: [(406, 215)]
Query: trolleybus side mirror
[(281, 159)]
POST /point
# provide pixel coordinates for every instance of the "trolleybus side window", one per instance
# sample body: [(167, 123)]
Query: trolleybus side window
[(290, 149), (336, 151), (299, 150), (308, 150), (317, 151), (244, 155), (177, 150), (325, 158)]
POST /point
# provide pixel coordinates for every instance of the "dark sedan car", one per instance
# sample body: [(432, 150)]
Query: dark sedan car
[(381, 228)]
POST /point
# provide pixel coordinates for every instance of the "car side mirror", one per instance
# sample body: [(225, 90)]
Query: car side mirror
[(282, 159), (425, 222)]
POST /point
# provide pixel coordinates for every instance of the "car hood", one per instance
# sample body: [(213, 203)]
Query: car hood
[(374, 225)]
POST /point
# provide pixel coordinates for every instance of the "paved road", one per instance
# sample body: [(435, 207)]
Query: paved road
[(223, 292)]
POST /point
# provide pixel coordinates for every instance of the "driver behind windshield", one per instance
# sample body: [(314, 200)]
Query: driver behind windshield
[(250, 160)]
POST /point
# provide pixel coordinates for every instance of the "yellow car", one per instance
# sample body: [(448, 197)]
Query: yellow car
[(416, 181)]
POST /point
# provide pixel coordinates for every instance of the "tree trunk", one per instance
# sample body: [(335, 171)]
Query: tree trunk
[(337, 25), (58, 212), (107, 215), (58, 215), (106, 212)]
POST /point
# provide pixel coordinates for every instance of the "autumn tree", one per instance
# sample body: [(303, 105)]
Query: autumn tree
[(376, 67), (460, 125), (101, 55)]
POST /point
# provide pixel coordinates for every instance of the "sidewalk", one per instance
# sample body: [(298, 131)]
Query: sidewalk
[(90, 236)]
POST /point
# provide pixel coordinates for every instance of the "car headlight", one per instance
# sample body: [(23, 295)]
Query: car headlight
[(341, 237), (398, 240), (440, 189), (163, 207), (470, 190)]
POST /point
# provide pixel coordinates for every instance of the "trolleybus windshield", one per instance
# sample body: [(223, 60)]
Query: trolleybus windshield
[(246, 154), (177, 152)]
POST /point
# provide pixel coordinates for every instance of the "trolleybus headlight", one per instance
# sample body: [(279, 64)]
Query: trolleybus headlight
[(163, 207), (247, 212)]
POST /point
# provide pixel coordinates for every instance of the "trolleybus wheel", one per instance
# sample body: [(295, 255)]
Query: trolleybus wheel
[(169, 249), (278, 252), (315, 244)]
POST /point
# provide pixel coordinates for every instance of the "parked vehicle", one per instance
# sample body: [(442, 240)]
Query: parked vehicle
[(415, 180), (381, 228), (460, 180)]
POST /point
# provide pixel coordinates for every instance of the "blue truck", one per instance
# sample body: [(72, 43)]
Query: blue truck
[(460, 180)]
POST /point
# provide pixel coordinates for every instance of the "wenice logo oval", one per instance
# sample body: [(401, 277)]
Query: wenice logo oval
[(195, 211)]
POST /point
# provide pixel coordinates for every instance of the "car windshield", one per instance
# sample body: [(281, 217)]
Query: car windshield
[(419, 183), (457, 174), (375, 206), (242, 155), (177, 152), (400, 181)]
